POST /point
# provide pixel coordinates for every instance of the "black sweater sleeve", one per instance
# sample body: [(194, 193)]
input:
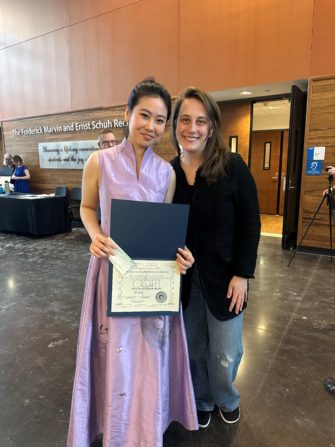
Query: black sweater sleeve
[(247, 218)]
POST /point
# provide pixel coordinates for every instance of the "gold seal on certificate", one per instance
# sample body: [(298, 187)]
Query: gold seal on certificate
[(149, 286)]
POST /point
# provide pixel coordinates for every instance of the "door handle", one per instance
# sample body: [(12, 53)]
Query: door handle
[(291, 186), (275, 177)]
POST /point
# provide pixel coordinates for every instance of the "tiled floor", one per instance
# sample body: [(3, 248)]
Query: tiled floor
[(289, 344)]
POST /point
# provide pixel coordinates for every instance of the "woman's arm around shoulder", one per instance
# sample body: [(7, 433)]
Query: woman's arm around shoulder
[(184, 257), (171, 188)]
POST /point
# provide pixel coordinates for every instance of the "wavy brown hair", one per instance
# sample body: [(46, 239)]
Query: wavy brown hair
[(216, 151)]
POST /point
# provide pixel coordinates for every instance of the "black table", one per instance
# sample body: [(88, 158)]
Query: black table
[(34, 214)]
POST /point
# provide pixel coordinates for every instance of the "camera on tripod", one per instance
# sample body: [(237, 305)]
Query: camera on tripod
[(329, 170), (328, 195)]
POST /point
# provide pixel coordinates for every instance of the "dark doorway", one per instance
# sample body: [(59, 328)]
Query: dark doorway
[(294, 167)]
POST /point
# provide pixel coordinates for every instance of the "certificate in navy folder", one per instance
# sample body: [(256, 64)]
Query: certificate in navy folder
[(150, 234)]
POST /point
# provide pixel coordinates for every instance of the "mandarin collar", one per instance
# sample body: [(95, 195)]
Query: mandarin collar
[(129, 149)]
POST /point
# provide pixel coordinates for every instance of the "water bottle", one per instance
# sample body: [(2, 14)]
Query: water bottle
[(7, 188)]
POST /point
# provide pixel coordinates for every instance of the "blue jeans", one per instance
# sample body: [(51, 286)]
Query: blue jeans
[(215, 351)]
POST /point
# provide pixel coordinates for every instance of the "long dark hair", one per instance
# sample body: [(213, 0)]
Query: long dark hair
[(149, 87), (216, 151)]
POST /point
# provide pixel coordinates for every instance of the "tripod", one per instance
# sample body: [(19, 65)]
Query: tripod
[(329, 197)]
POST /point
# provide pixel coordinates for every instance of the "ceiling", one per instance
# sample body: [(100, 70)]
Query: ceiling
[(276, 107), (259, 91), (273, 114), (267, 113)]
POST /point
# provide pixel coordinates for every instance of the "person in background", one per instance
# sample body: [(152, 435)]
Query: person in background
[(331, 170), (106, 139), (330, 190), (21, 175), (223, 235), (132, 374), (8, 162)]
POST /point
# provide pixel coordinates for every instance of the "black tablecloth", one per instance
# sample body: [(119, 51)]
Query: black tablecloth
[(33, 214)]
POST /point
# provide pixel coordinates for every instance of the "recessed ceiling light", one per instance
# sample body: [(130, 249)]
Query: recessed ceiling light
[(246, 92)]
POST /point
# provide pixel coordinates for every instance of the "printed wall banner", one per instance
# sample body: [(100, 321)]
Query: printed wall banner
[(66, 154), (114, 123), (316, 153)]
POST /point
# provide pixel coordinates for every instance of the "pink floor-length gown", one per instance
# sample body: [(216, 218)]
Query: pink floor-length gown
[(132, 374)]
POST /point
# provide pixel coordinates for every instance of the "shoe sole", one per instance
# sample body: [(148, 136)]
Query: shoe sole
[(205, 426), (229, 422)]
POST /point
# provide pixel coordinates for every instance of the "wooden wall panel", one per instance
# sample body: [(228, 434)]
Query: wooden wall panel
[(323, 43), (79, 10), (92, 63), (320, 131), (215, 45), (243, 42), (236, 121), (23, 20), (110, 54), (46, 180), (34, 77), (145, 42)]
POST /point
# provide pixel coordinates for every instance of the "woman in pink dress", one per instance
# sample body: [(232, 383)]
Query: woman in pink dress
[(132, 374)]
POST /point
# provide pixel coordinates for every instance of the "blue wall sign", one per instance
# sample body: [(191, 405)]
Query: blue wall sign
[(313, 167), (310, 153)]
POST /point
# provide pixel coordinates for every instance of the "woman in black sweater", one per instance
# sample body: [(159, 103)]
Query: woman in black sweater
[(223, 235)]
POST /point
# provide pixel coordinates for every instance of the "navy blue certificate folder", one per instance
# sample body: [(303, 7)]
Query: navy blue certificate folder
[(146, 231)]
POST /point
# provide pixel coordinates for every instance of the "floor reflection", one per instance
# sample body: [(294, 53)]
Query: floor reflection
[(289, 341)]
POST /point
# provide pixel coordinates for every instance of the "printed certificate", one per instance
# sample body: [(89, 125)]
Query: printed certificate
[(143, 277), (150, 286)]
